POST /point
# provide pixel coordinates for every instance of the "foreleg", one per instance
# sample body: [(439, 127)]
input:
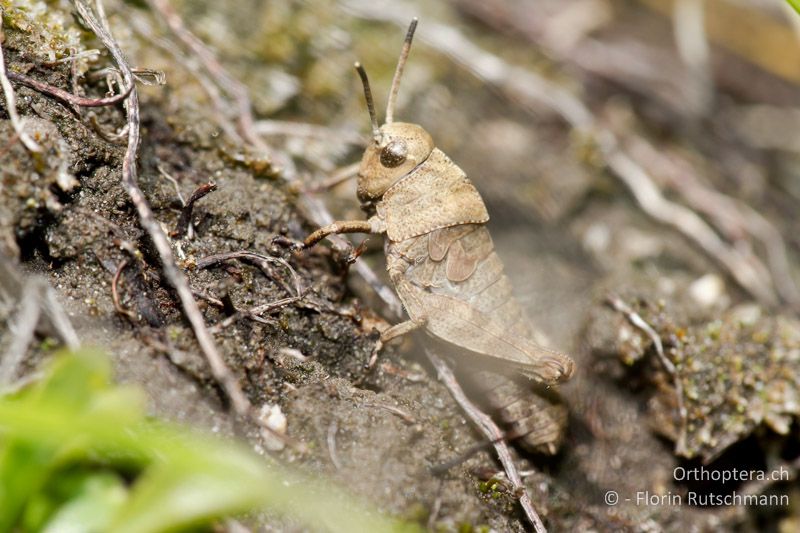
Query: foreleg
[(373, 225)]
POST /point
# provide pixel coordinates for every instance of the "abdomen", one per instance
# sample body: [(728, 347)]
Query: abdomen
[(453, 278)]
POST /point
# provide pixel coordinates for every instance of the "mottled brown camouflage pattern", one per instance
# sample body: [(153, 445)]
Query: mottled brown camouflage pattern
[(441, 260)]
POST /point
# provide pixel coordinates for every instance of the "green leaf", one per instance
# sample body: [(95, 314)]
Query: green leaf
[(795, 4), (24, 468), (67, 442), (73, 381), (94, 501), (92, 509), (231, 480), (166, 497)]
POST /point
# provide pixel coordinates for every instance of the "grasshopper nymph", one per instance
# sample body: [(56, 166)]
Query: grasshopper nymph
[(441, 260)]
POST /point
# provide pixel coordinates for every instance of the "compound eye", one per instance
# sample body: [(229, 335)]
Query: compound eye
[(394, 154)]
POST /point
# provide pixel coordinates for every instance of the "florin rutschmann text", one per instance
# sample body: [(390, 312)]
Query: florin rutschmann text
[(710, 499), (703, 499)]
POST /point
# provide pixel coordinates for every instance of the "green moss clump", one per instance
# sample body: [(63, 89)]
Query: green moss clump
[(50, 32)]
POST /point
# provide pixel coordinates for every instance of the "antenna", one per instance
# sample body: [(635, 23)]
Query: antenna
[(399, 71), (370, 104)]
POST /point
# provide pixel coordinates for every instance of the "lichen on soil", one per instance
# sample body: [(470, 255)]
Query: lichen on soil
[(65, 215)]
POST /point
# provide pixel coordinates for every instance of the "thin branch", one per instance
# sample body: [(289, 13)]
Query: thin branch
[(58, 320), (733, 217), (405, 417), (338, 177), (689, 223), (437, 506), (493, 433), (311, 131), (73, 57), (55, 321), (462, 457), (191, 64), (316, 211), (637, 321), (174, 183), (262, 261), (39, 312), (228, 83), (255, 312), (23, 330), (115, 293), (259, 259), (148, 221), (66, 96), (185, 220), (689, 29)]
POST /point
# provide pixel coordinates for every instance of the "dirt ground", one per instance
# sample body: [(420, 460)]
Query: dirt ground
[(715, 138)]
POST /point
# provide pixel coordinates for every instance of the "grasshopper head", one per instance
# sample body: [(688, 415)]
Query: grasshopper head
[(398, 150), (398, 147)]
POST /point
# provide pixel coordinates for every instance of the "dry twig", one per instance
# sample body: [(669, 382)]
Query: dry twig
[(39, 311), (66, 96), (314, 209), (490, 430), (262, 261), (437, 506), (405, 417), (191, 64), (223, 79), (23, 329), (254, 312), (734, 218), (689, 28), (311, 131), (174, 275), (462, 457), (616, 303), (127, 313), (296, 293), (58, 320), (55, 321), (338, 177), (738, 263), (185, 220)]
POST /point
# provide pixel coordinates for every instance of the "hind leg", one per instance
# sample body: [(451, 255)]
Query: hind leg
[(392, 333)]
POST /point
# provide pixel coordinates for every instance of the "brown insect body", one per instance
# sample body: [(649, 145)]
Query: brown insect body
[(441, 261), (440, 256)]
